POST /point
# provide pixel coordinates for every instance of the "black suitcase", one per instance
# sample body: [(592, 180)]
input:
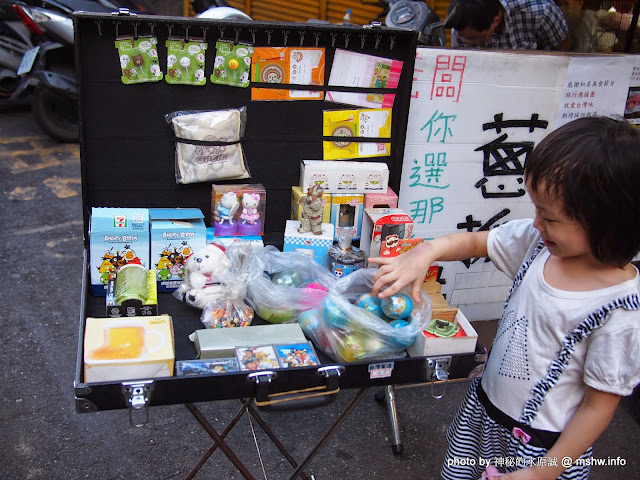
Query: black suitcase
[(127, 153)]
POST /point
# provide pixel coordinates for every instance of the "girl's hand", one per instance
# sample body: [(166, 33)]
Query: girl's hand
[(409, 268)]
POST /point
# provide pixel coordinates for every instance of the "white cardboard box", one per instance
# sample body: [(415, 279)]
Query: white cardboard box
[(430, 347), (316, 246), (340, 176)]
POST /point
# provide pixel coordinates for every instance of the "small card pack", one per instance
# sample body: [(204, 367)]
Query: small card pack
[(185, 62), (139, 60), (232, 64)]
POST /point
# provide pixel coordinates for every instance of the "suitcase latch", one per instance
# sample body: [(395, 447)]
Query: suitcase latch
[(137, 395), (438, 371)]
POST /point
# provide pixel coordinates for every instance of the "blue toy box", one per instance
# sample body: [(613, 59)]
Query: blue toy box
[(117, 236), (175, 234), (316, 246)]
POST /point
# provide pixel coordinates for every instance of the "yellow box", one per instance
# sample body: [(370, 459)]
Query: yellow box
[(128, 348), (296, 208)]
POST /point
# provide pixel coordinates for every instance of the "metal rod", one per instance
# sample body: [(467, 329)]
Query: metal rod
[(343, 415), (220, 441), (224, 433), (275, 440), (390, 400)]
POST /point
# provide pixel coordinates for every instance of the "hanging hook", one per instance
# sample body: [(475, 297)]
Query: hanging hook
[(99, 24), (117, 24), (169, 29), (378, 38), (152, 27), (204, 32), (301, 38), (221, 29), (253, 35), (317, 35), (285, 33), (269, 32), (237, 30), (135, 30), (346, 39), (363, 38), (333, 39), (393, 42), (186, 32)]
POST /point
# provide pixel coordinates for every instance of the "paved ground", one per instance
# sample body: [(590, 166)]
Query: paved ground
[(43, 437)]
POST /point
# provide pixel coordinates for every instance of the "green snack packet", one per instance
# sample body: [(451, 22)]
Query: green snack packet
[(139, 60), (232, 64), (185, 62)]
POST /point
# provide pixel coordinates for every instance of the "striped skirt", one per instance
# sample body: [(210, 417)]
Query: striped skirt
[(476, 440)]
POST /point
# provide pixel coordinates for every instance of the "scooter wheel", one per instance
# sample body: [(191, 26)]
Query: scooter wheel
[(57, 116)]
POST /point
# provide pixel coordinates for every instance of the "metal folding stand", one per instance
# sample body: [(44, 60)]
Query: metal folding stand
[(247, 406)]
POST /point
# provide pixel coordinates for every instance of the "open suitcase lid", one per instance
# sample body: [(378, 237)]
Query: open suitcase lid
[(127, 160)]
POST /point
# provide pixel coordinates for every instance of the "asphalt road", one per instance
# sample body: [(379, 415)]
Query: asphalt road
[(42, 435)]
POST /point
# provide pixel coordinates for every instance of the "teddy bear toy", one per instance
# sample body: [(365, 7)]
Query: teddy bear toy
[(204, 279)]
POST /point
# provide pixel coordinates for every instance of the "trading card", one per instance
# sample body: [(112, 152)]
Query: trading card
[(297, 355), (257, 358), (201, 367)]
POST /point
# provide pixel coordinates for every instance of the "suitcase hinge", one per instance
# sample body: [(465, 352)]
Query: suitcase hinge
[(123, 12), (438, 371), (137, 395)]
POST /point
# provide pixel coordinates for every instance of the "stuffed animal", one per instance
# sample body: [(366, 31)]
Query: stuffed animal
[(204, 276)]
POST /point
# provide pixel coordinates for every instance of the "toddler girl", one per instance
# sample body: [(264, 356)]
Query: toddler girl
[(566, 348)]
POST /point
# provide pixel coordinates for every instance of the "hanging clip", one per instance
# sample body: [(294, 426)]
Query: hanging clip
[(363, 38), (285, 33), (269, 32), (333, 39), (221, 29), (378, 38), (135, 30), (99, 24), (346, 39), (438, 371), (301, 38), (393, 42), (186, 32), (317, 35), (253, 35), (237, 30)]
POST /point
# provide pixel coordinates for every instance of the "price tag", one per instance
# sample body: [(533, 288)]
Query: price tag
[(380, 370), (27, 60)]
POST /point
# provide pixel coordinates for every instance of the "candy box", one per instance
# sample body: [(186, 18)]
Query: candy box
[(344, 176), (117, 236), (386, 226), (429, 345), (346, 211), (316, 246), (128, 348), (175, 234), (387, 199)]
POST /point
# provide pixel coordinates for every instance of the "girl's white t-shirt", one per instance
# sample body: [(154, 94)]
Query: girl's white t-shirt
[(533, 327)]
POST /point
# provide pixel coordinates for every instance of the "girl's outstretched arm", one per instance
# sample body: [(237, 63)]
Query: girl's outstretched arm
[(412, 266), (591, 419)]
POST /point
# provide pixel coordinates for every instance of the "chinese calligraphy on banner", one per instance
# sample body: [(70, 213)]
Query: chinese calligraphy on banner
[(474, 118)]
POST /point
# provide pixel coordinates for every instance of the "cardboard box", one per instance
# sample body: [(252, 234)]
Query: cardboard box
[(132, 307), (346, 211), (344, 177), (424, 346), (441, 309), (240, 209), (381, 200), (117, 236), (389, 225), (175, 234), (316, 246), (129, 348), (296, 206), (221, 342)]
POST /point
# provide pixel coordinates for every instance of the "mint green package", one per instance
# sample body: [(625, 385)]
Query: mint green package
[(139, 60), (185, 62), (232, 64)]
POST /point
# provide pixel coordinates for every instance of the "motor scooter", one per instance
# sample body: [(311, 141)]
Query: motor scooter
[(418, 16), (15, 41)]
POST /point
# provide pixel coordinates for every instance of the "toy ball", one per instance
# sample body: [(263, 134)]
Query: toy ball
[(287, 278), (397, 306), (333, 315), (233, 64), (370, 303), (401, 341), (352, 348), (309, 321), (316, 286)]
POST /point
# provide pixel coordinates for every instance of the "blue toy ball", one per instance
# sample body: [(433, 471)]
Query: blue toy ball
[(397, 306), (370, 303), (400, 341), (333, 315)]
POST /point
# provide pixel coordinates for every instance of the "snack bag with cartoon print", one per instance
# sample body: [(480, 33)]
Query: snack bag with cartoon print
[(139, 60), (185, 62)]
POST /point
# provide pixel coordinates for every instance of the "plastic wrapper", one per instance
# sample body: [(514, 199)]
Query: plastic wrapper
[(298, 284), (227, 312), (208, 145), (348, 333)]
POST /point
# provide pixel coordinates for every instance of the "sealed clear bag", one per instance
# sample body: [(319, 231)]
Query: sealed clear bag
[(284, 284), (208, 145), (351, 325)]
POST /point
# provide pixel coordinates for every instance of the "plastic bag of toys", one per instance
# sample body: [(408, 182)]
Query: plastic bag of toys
[(227, 312), (286, 284), (352, 325)]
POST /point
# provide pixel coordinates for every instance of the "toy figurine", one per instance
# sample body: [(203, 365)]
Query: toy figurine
[(227, 207), (312, 211), (250, 202)]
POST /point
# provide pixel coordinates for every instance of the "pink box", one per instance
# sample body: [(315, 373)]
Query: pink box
[(381, 200)]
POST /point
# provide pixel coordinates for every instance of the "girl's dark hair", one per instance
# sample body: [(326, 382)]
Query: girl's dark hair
[(477, 14), (593, 165)]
